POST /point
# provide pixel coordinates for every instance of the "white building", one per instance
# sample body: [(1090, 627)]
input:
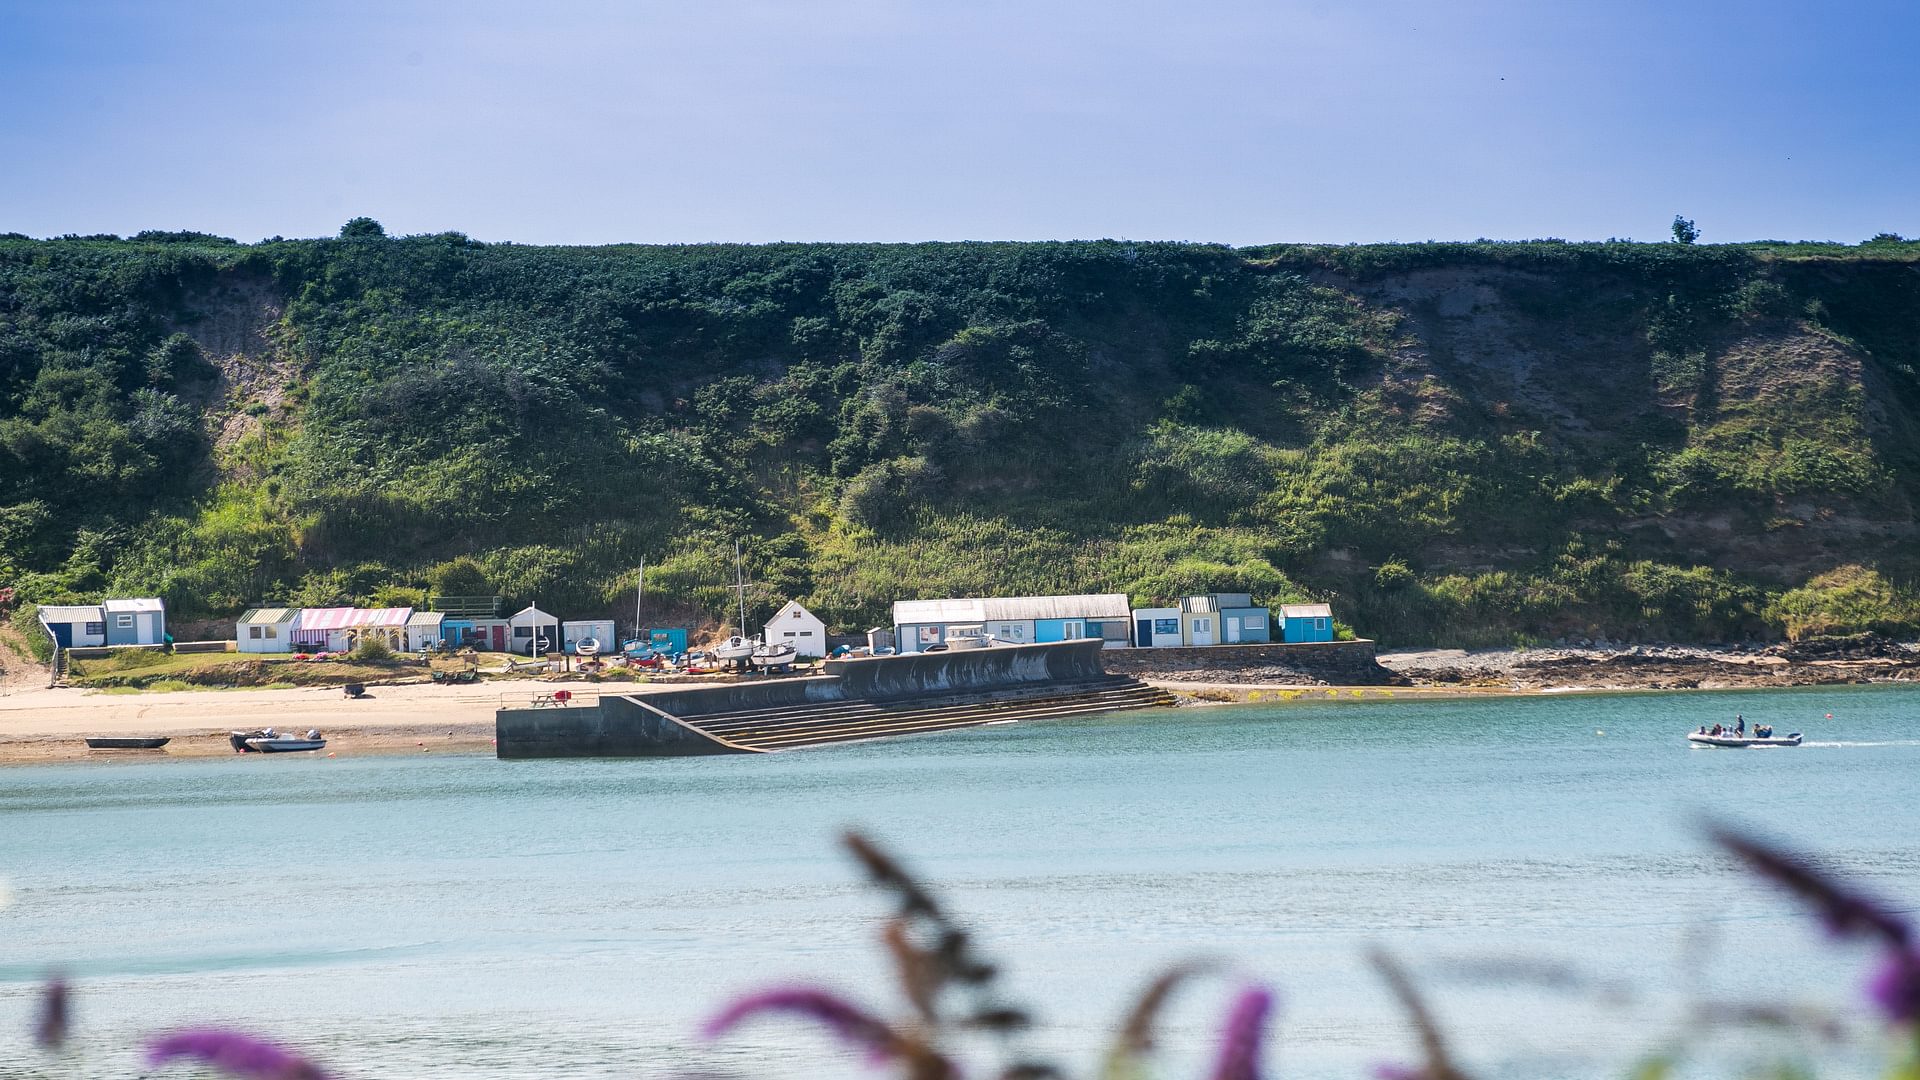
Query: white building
[(1157, 628), (425, 630), (74, 625), (575, 631), (137, 621), (266, 630), (796, 626), (1017, 620), (534, 631)]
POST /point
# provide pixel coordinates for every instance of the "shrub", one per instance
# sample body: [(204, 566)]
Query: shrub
[(1846, 600), (372, 649)]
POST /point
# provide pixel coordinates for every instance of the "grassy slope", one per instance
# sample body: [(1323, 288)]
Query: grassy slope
[(1456, 442)]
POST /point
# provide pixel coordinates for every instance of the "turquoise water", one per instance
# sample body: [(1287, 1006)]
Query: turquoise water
[(503, 919)]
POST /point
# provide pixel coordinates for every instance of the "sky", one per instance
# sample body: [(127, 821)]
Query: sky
[(623, 121)]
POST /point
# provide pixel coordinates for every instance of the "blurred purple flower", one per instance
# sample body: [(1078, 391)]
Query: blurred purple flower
[(234, 1054), (1896, 989), (1239, 1057), (846, 1020), (1845, 911), (50, 1031)]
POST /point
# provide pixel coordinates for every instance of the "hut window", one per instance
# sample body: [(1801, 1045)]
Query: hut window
[(271, 633), (1319, 624), (253, 632), (123, 620), (96, 628), (1166, 626), (1255, 622)]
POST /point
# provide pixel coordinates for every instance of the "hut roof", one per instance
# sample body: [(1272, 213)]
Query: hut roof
[(1012, 608)]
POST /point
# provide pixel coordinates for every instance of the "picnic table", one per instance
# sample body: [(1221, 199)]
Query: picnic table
[(556, 698)]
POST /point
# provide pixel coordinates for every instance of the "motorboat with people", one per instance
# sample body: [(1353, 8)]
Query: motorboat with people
[(269, 741), (1737, 735)]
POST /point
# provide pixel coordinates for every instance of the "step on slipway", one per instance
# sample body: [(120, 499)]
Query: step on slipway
[(798, 726)]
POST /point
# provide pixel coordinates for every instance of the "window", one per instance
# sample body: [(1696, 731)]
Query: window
[(1166, 626), (804, 633), (253, 632), (1319, 624), (123, 621), (1073, 629), (1255, 622), (523, 631), (1203, 626), (271, 633), (96, 628), (791, 634)]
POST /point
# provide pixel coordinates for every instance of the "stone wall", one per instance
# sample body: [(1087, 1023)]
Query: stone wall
[(1319, 663)]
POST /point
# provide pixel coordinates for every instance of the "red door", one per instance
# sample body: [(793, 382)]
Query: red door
[(499, 639)]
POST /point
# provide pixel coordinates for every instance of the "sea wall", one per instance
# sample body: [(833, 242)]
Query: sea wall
[(1323, 663), (649, 725)]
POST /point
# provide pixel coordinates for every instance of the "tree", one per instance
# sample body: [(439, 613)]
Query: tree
[(362, 228), (1684, 231), (460, 577)]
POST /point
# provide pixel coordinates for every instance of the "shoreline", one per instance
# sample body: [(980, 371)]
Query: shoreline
[(43, 725)]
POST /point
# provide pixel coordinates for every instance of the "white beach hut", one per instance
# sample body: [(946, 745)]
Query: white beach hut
[(796, 626)]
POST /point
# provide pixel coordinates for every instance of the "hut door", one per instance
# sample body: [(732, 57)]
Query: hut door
[(499, 639), (1233, 629)]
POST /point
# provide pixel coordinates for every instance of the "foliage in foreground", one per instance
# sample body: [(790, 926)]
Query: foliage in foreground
[(951, 994), (1636, 440)]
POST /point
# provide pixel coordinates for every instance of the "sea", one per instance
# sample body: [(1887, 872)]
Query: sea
[(1536, 864)]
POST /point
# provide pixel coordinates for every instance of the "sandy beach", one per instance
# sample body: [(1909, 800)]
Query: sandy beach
[(38, 725)]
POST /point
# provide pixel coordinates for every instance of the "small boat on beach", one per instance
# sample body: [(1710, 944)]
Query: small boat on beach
[(282, 744), (126, 744), (269, 741), (1730, 741), (587, 647)]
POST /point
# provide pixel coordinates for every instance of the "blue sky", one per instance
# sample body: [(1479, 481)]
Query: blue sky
[(1237, 122)]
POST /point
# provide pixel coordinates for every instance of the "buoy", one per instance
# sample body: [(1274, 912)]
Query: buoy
[(1829, 716), (1597, 731)]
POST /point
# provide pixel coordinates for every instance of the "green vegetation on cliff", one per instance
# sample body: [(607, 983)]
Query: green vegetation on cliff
[(1472, 443)]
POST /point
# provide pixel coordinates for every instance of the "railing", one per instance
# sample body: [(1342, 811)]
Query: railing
[(485, 607)]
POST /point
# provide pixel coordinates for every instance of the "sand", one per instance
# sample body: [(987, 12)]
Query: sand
[(42, 725)]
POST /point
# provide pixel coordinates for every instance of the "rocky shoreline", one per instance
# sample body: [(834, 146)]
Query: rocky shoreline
[(1606, 666)]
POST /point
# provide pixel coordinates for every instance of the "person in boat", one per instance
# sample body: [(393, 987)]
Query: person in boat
[(1703, 729), (1763, 731), (1715, 731), (1740, 728)]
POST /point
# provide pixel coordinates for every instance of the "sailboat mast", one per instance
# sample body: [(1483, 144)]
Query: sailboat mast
[(639, 595), (740, 587)]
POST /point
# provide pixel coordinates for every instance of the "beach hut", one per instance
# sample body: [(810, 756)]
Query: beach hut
[(425, 630), (1307, 622), (74, 625), (1156, 628), (1199, 621), (139, 621), (340, 629), (574, 631), (265, 630), (534, 631), (796, 626), (1226, 618), (1016, 619)]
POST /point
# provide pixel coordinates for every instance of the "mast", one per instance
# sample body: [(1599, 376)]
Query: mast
[(740, 587), (639, 595)]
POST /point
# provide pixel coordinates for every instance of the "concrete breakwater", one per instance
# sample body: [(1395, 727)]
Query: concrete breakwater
[(855, 699), (1318, 663)]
